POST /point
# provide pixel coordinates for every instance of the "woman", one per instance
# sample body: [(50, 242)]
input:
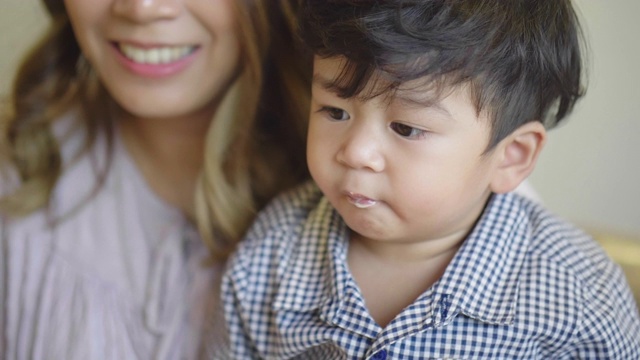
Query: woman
[(124, 113)]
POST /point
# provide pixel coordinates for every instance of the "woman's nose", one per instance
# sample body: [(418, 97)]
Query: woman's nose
[(362, 149), (148, 10)]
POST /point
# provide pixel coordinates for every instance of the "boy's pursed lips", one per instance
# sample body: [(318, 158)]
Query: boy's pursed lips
[(359, 200)]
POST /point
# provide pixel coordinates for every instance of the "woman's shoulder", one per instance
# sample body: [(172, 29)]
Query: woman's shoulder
[(289, 209), (278, 224)]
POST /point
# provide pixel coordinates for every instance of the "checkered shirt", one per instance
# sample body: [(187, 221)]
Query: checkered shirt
[(523, 285)]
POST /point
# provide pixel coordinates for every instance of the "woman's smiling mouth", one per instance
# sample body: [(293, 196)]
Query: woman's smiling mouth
[(155, 55)]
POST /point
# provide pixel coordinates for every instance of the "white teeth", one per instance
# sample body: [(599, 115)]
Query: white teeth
[(158, 55)]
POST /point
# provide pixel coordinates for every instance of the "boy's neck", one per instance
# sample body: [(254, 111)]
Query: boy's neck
[(393, 275), (392, 252)]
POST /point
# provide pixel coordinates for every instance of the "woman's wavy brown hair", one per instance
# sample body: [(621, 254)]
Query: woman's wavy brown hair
[(255, 145), (51, 80)]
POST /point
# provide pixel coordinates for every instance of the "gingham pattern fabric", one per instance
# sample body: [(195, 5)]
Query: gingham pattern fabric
[(523, 285)]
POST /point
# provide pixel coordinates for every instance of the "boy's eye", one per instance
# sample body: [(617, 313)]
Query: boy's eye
[(335, 113), (406, 130)]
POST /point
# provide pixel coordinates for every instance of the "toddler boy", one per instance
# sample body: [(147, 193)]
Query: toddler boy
[(410, 244)]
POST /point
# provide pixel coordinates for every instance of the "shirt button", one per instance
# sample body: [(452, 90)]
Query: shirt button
[(380, 355)]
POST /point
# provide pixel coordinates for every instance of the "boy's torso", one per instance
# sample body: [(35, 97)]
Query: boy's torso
[(521, 286)]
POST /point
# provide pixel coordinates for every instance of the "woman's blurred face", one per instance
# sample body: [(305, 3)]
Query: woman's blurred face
[(160, 58)]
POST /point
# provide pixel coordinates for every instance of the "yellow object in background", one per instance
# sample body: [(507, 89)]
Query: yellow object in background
[(626, 252)]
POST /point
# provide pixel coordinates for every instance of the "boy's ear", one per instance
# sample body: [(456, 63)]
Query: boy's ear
[(517, 155)]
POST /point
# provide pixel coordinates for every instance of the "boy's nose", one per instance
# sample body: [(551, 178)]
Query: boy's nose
[(361, 149), (147, 10)]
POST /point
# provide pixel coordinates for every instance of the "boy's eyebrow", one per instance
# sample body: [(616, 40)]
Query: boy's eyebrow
[(403, 97), (425, 102)]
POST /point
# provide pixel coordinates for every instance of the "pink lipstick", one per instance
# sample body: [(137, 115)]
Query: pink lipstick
[(154, 61)]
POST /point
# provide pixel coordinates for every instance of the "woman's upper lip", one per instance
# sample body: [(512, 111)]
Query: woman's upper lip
[(150, 44)]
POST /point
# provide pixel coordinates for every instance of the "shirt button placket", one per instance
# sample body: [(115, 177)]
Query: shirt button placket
[(380, 355)]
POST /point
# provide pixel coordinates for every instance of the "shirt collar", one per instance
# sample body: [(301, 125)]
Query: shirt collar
[(313, 277), (480, 282)]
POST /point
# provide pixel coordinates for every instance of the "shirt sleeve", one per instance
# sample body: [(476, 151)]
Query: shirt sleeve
[(610, 325), (235, 344)]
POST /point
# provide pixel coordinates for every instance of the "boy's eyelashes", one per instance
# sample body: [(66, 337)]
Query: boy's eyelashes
[(407, 131), (402, 129), (334, 113)]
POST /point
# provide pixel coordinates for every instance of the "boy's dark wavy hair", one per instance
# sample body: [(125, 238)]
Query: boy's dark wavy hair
[(521, 58)]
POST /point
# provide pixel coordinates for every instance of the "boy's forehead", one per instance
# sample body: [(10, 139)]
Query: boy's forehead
[(332, 75), (329, 67), (328, 72), (438, 95)]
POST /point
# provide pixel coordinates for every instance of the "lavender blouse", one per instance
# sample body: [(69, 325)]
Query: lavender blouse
[(117, 277)]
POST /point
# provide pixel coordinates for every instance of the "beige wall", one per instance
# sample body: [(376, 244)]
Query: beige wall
[(590, 170), (20, 23)]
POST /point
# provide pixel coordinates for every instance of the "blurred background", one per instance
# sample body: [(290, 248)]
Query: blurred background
[(589, 173)]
